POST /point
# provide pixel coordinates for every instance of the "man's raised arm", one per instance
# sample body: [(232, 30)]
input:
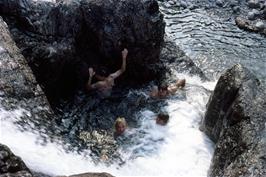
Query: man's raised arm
[(123, 67)]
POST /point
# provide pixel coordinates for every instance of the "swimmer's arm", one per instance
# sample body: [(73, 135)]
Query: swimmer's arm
[(172, 89), (90, 86), (96, 85), (123, 66), (154, 92)]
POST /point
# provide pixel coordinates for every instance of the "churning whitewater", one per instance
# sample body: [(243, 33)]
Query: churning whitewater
[(177, 149)]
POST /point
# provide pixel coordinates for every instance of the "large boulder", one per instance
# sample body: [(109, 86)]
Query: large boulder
[(61, 40), (11, 165), (18, 86), (235, 120)]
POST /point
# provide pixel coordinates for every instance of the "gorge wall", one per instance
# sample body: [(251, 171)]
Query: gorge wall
[(61, 40), (235, 121)]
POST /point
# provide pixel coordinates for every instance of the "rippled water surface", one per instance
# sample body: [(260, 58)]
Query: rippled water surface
[(213, 40)]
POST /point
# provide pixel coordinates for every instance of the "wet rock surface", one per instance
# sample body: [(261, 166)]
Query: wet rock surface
[(235, 120), (246, 24), (61, 40), (20, 91), (175, 59), (11, 165), (18, 87)]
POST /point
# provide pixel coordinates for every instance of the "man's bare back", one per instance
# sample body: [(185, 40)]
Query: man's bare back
[(105, 84)]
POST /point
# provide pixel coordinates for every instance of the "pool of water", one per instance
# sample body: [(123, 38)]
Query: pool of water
[(177, 149), (211, 38)]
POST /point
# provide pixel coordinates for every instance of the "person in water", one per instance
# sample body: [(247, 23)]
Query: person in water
[(120, 126), (105, 84), (162, 119), (164, 90)]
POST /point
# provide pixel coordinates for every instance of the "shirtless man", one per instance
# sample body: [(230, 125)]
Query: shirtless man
[(164, 90), (105, 84)]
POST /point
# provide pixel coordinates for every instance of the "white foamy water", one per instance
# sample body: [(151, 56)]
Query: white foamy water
[(177, 149)]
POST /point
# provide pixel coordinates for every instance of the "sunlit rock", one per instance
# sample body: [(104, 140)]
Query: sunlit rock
[(260, 25), (18, 85), (235, 119)]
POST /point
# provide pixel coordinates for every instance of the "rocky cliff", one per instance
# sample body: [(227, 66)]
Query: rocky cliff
[(61, 40), (19, 90), (235, 121), (18, 86)]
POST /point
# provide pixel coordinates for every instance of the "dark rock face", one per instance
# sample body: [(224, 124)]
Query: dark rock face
[(61, 40), (173, 57), (235, 121), (18, 86), (19, 90), (11, 165)]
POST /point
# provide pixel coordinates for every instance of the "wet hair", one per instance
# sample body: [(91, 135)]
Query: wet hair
[(182, 83), (120, 120), (163, 116)]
